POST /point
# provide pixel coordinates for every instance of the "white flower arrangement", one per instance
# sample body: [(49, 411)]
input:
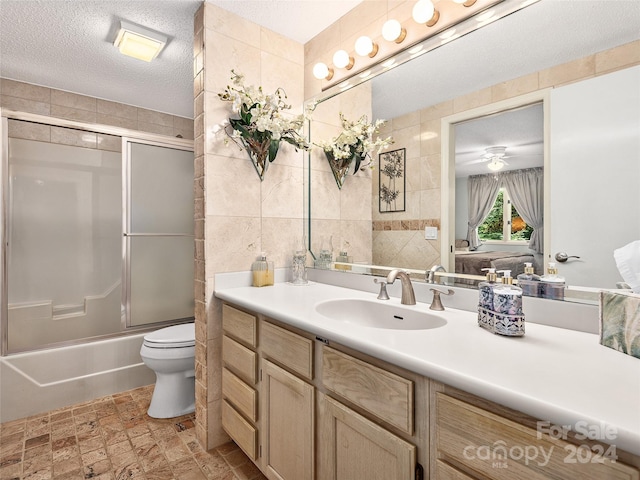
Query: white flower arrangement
[(262, 124), (355, 142)]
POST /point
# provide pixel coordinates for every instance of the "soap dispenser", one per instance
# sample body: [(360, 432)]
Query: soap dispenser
[(262, 271), (529, 282), (486, 289), (552, 285), (507, 298)]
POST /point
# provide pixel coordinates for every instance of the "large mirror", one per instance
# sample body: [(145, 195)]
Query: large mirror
[(449, 109)]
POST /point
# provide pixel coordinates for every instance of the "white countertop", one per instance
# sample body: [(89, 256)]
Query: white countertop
[(553, 374)]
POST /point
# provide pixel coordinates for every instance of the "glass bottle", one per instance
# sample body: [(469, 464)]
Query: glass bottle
[(262, 271)]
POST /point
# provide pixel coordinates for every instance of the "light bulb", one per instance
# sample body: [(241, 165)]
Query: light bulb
[(495, 164), (365, 47), (341, 59), (425, 12), (392, 31), (322, 72)]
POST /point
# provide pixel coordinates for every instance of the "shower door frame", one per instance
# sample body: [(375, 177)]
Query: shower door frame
[(127, 235), (126, 135)]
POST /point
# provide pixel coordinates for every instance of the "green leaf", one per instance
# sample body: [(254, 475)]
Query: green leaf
[(273, 149), (240, 126), (357, 159)]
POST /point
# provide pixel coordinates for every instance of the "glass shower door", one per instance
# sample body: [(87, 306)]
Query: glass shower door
[(63, 248), (158, 234)]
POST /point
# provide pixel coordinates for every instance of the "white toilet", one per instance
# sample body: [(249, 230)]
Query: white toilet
[(170, 352)]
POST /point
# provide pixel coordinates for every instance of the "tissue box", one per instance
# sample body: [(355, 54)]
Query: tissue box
[(620, 322)]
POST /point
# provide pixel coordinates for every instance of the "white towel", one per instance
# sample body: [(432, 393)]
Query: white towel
[(628, 263)]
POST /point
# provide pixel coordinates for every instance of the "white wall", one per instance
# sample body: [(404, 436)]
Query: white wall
[(595, 173)]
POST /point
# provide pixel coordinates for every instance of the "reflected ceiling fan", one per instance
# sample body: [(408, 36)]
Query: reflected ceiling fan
[(496, 157)]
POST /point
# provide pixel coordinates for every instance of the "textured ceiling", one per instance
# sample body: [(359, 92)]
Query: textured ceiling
[(68, 44)]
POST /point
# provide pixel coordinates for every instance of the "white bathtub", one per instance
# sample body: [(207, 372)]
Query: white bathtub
[(36, 382)]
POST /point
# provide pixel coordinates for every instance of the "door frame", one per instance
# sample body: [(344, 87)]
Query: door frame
[(447, 164)]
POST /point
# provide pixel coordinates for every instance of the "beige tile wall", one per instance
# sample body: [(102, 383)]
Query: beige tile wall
[(25, 97), (237, 215)]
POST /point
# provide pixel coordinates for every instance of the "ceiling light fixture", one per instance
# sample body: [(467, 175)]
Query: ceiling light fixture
[(392, 31), (366, 47), (495, 164), (496, 156), (425, 12), (139, 42), (341, 59), (322, 72), (466, 3)]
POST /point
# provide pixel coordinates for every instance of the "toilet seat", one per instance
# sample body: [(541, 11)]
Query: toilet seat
[(177, 336)]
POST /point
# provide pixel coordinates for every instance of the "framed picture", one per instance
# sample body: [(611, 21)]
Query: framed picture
[(392, 181)]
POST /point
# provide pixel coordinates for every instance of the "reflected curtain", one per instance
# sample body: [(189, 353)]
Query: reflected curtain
[(525, 188), (483, 191)]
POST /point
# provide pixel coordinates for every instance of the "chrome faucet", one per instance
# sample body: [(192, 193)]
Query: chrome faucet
[(430, 275), (408, 297)]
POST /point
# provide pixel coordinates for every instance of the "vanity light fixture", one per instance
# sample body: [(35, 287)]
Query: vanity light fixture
[(466, 3), (139, 42), (366, 47), (341, 59), (425, 12), (322, 72), (392, 31)]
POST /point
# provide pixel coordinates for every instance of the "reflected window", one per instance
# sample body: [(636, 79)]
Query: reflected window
[(504, 223)]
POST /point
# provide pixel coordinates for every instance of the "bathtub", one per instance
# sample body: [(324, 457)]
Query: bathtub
[(37, 382)]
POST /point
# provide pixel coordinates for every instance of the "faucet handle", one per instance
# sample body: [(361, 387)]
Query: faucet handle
[(383, 295), (436, 304)]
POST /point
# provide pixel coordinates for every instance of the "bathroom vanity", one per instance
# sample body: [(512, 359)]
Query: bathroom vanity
[(312, 397)]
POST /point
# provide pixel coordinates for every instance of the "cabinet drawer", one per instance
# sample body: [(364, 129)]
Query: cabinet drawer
[(447, 472), (383, 394), (502, 449), (240, 395), (239, 359), (239, 325), (287, 348), (242, 432)]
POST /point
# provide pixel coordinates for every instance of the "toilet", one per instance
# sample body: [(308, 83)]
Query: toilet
[(170, 353)]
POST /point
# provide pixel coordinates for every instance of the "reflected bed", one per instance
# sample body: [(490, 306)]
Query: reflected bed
[(472, 263)]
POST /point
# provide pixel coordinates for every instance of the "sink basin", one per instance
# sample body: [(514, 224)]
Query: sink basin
[(378, 314)]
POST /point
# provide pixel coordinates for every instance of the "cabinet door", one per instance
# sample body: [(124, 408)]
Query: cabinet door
[(287, 409), (354, 448)]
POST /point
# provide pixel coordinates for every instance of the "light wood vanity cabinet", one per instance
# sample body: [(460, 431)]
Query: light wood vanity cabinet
[(239, 378), (268, 403), (352, 447), (475, 443), (304, 410), (288, 425)]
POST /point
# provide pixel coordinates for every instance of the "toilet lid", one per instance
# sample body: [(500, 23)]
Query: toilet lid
[(172, 337)]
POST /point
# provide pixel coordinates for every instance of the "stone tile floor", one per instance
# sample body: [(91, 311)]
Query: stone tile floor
[(113, 438)]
